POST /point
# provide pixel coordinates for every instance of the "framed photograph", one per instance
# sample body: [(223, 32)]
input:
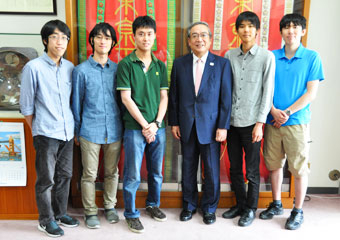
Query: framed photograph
[(33, 7)]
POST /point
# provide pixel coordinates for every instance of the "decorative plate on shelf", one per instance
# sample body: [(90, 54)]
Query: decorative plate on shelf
[(12, 61)]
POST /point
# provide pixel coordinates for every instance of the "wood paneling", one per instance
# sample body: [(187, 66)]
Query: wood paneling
[(19, 202), (305, 13)]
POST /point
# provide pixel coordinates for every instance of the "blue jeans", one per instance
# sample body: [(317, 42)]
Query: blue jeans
[(134, 147), (53, 164)]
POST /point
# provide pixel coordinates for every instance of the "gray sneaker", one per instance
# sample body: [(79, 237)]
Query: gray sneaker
[(68, 221), (111, 215), (51, 229), (135, 225), (92, 221), (273, 209), (156, 213)]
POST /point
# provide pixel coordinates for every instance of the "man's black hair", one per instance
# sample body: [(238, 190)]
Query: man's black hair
[(103, 28), (49, 28), (295, 18), (143, 22), (250, 17)]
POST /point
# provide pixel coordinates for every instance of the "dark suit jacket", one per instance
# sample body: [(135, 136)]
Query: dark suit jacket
[(211, 108)]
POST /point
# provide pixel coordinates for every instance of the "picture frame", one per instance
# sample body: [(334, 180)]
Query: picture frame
[(13, 169), (29, 7)]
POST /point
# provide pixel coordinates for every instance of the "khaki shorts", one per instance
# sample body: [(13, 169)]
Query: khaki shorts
[(288, 142)]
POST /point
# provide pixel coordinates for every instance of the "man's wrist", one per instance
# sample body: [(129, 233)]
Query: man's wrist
[(288, 112), (158, 123)]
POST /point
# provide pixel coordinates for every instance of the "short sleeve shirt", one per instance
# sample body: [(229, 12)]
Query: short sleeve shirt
[(291, 78), (145, 87)]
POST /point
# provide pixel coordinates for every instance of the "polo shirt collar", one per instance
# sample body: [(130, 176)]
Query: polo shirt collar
[(133, 57), (252, 51), (50, 61), (94, 63), (298, 53)]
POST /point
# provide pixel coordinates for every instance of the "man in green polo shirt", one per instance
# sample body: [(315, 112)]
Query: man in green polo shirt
[(142, 80)]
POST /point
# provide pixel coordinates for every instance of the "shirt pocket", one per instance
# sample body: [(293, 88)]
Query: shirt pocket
[(254, 76)]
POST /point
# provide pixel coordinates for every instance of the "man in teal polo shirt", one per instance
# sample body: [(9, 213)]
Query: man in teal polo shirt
[(298, 73), (142, 80)]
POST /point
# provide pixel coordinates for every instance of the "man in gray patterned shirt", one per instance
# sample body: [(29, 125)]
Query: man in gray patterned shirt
[(253, 86)]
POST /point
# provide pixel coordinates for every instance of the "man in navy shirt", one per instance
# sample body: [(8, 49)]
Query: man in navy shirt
[(298, 73), (98, 123), (45, 103)]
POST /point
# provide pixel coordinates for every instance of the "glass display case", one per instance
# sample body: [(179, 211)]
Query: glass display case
[(172, 18)]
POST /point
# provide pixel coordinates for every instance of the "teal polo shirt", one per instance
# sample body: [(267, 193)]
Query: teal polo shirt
[(291, 78), (145, 87)]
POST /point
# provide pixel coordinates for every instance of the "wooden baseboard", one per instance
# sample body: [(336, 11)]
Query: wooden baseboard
[(18, 216), (174, 199)]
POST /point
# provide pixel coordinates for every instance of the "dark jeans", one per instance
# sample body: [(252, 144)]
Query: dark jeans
[(240, 139), (53, 165)]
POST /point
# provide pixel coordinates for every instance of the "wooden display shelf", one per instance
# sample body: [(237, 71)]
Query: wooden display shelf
[(174, 199), (19, 202), (169, 199)]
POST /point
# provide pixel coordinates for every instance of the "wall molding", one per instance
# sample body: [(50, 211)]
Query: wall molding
[(322, 190)]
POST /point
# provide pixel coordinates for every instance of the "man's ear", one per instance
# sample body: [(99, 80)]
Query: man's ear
[(257, 32), (304, 31)]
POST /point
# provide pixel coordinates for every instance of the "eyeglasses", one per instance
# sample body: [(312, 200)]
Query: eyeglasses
[(197, 35), (100, 38), (62, 38)]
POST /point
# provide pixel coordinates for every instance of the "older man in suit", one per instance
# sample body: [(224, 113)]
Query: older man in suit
[(199, 113)]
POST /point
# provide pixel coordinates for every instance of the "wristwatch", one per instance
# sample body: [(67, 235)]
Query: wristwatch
[(158, 124), (288, 112)]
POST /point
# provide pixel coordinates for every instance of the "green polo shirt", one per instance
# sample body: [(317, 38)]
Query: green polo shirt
[(145, 87)]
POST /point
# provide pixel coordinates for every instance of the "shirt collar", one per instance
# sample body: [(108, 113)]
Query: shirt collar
[(133, 57), (50, 61), (203, 58), (298, 53), (94, 63), (252, 51)]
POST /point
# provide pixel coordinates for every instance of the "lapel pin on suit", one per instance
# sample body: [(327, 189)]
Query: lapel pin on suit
[(212, 64)]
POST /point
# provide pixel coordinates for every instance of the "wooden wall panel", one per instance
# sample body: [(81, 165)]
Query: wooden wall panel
[(19, 202)]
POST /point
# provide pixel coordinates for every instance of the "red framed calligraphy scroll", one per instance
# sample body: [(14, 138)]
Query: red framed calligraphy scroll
[(221, 18), (120, 14)]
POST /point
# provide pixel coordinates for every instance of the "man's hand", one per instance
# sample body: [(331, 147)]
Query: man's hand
[(150, 131), (257, 133), (280, 117), (176, 132), (221, 135), (76, 142), (151, 139)]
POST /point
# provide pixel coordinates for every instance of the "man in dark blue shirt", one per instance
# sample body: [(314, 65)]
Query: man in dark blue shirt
[(98, 123)]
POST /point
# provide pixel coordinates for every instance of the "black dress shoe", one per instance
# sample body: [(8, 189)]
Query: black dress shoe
[(186, 215), (247, 217), (232, 212), (209, 218)]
